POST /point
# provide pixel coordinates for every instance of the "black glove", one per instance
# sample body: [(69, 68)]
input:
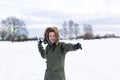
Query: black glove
[(39, 41), (77, 46)]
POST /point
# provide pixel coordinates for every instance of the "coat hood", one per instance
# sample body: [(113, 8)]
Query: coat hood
[(46, 35)]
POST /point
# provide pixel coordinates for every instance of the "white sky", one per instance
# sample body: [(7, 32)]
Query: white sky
[(42, 13)]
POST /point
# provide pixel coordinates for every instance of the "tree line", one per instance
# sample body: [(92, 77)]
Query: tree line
[(13, 29), (72, 30)]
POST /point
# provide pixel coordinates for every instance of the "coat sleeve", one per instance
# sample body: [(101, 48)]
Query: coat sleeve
[(66, 47), (42, 51)]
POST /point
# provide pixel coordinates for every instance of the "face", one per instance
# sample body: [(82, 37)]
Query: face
[(52, 37)]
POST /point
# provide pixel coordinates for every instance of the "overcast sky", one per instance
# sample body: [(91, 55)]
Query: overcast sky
[(43, 13)]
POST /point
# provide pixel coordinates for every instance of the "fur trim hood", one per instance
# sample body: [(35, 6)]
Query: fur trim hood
[(46, 35)]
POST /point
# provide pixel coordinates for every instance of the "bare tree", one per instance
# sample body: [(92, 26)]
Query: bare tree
[(76, 29), (88, 31), (88, 28), (15, 26), (70, 24), (70, 29), (65, 32)]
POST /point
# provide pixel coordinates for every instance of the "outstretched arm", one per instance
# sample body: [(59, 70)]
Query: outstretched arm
[(66, 47)]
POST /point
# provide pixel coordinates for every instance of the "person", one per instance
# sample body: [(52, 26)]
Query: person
[(54, 53)]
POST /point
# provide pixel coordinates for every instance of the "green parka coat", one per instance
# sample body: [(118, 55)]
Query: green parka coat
[(55, 56)]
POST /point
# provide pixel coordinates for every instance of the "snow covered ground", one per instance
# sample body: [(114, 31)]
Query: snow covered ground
[(99, 60)]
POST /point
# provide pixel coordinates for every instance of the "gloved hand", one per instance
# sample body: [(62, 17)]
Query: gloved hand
[(39, 41), (77, 46)]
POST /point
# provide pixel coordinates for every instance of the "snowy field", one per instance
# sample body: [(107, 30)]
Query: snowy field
[(99, 60)]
